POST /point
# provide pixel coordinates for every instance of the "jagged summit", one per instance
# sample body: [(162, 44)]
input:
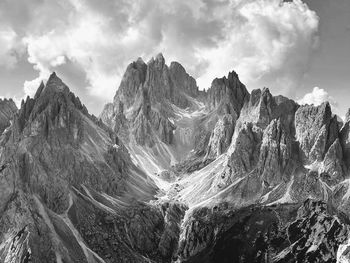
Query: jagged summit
[(160, 59), (56, 102), (171, 173), (5, 100), (227, 94)]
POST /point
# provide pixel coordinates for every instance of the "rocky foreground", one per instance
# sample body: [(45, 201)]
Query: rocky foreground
[(169, 173)]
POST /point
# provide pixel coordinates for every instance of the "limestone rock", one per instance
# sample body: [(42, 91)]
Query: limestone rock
[(283, 233), (316, 131), (345, 139), (142, 130), (276, 156), (7, 110), (163, 127), (333, 164), (220, 138), (151, 88), (132, 81), (285, 112), (244, 150), (173, 214), (260, 109), (228, 95), (57, 145), (17, 249), (182, 80), (172, 174)]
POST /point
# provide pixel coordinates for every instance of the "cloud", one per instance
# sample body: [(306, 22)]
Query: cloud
[(268, 42), (10, 48), (317, 97)]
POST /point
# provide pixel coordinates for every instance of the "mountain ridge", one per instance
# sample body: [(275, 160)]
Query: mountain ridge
[(169, 173)]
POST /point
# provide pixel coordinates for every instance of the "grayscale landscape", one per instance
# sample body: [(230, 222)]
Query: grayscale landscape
[(167, 170)]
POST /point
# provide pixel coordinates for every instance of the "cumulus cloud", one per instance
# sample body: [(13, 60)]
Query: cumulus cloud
[(268, 42), (270, 45), (317, 96), (9, 47)]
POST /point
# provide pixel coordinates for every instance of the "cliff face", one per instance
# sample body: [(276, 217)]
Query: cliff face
[(146, 93), (227, 94), (246, 148), (169, 173), (7, 110)]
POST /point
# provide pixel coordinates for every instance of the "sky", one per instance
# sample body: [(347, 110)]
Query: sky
[(299, 49)]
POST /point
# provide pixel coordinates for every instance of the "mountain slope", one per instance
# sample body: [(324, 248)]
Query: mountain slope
[(250, 149), (64, 174), (169, 173)]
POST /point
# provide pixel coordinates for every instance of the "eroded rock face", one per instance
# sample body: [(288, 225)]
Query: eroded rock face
[(132, 81), (173, 215), (225, 98), (145, 96), (276, 162), (260, 109), (315, 235), (345, 139), (233, 171), (55, 146), (182, 80), (7, 110), (334, 169), (54, 131), (245, 149), (220, 138), (228, 95), (17, 248), (316, 131), (278, 234)]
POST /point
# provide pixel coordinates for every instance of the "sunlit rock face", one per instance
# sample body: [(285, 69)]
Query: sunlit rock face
[(227, 94), (169, 173), (316, 130), (276, 157)]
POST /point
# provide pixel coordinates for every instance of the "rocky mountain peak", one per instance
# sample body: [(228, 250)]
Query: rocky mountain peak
[(160, 59), (148, 93), (173, 174), (55, 84), (53, 106), (227, 94), (316, 130), (182, 80), (260, 108)]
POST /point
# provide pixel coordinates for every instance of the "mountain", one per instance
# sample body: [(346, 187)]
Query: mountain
[(169, 173)]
